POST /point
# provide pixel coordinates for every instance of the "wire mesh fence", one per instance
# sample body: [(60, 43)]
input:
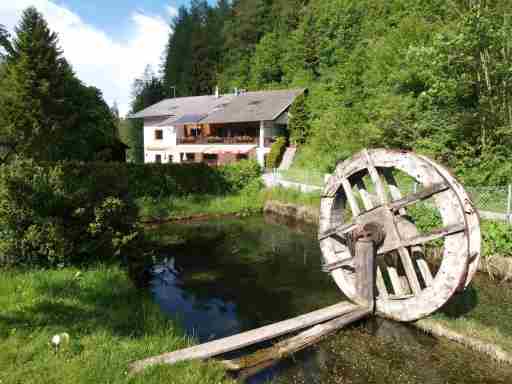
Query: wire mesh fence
[(497, 199)]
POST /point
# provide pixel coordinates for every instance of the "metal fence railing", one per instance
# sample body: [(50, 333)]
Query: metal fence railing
[(491, 199)]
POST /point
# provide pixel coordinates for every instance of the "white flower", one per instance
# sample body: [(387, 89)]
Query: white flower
[(56, 340)]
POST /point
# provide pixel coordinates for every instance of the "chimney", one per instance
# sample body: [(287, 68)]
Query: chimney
[(217, 95)]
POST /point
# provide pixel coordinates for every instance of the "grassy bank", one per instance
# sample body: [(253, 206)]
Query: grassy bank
[(178, 207), (244, 202), (110, 323), (482, 311)]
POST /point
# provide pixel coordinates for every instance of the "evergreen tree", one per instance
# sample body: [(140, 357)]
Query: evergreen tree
[(46, 112), (5, 42), (33, 107)]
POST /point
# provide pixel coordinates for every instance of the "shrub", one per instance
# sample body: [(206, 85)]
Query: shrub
[(51, 214), (63, 212), (276, 152), (497, 238), (240, 174)]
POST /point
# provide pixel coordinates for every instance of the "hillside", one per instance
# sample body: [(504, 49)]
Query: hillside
[(432, 76)]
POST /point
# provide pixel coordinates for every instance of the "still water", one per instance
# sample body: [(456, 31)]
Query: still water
[(221, 277)]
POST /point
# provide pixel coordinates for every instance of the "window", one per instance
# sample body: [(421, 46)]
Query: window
[(158, 158), (159, 134), (195, 132)]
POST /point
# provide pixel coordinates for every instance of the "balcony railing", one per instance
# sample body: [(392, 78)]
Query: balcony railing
[(218, 140)]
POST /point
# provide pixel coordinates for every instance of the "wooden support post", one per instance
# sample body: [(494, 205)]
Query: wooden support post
[(364, 264)]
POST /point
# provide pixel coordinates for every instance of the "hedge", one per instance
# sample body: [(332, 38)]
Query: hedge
[(72, 211), (276, 152)]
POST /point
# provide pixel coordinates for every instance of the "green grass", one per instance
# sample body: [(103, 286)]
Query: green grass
[(293, 196), (172, 207), (483, 311), (110, 324)]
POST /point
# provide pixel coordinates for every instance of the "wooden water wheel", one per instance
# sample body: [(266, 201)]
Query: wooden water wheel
[(367, 189)]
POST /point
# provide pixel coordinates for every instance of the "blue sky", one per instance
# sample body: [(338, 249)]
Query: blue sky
[(108, 42), (113, 16)]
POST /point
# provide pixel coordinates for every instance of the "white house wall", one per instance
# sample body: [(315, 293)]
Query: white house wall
[(163, 147)]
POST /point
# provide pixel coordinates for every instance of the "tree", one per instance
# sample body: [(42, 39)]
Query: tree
[(5, 42), (47, 113), (36, 72)]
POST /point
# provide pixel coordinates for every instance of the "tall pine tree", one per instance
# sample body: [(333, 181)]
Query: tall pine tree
[(32, 100), (46, 112)]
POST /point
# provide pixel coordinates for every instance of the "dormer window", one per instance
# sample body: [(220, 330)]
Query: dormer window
[(159, 134)]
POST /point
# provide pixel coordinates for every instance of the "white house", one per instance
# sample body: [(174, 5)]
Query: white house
[(215, 128)]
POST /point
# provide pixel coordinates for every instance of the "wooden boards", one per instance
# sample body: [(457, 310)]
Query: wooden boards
[(295, 343), (254, 336)]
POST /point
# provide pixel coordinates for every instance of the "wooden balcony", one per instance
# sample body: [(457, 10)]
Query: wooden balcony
[(218, 140)]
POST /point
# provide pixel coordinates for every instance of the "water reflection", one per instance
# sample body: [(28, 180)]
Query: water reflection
[(224, 277)]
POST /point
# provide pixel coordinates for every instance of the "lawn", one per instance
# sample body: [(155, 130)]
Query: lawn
[(483, 311), (110, 324), (177, 207)]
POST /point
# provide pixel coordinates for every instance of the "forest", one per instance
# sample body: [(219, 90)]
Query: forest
[(433, 76)]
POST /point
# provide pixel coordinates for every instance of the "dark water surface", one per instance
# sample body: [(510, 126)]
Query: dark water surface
[(221, 277)]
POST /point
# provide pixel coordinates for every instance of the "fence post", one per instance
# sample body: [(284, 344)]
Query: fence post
[(509, 204)]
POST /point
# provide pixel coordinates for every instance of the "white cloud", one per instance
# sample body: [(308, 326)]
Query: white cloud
[(171, 11), (99, 60)]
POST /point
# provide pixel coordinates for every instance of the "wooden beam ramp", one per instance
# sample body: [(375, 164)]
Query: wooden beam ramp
[(323, 321)]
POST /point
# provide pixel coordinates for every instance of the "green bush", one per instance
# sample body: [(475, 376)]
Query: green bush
[(236, 176), (497, 238), (52, 214), (71, 211), (276, 153)]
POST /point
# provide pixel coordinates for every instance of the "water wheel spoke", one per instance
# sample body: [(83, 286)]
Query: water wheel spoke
[(410, 272), (425, 271), (394, 190), (434, 235), (352, 201), (376, 180), (381, 285), (418, 196), (396, 283), (339, 230), (365, 195)]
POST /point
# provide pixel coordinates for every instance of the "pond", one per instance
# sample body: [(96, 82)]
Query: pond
[(224, 276)]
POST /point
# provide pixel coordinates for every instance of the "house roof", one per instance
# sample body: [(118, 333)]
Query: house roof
[(182, 106), (254, 106), (245, 107)]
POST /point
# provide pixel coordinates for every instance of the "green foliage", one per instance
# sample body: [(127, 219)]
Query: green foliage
[(299, 123), (240, 174), (71, 212), (428, 76), (51, 214), (276, 153), (497, 238), (46, 113)]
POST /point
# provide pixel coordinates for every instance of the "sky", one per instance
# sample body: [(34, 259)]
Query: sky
[(109, 43)]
